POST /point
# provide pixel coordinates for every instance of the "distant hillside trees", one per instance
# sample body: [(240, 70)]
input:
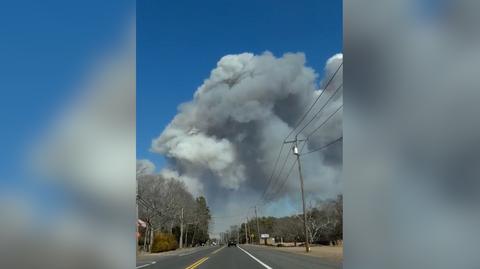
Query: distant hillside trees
[(324, 224)]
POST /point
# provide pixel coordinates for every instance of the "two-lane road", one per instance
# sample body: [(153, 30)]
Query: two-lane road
[(242, 257)]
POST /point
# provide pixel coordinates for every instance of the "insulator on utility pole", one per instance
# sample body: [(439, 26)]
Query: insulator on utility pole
[(295, 150)]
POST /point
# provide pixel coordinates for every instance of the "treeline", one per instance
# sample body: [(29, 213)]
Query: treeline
[(324, 224), (163, 204)]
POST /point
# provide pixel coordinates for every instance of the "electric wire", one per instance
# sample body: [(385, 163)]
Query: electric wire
[(316, 100)]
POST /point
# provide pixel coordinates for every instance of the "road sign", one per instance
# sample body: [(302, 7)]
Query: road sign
[(264, 236)]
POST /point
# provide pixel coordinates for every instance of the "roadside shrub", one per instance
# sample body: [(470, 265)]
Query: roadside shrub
[(164, 242)]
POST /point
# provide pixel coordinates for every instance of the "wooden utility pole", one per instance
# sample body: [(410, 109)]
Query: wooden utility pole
[(249, 231), (186, 235), (297, 153), (258, 226), (181, 229), (238, 236), (246, 234)]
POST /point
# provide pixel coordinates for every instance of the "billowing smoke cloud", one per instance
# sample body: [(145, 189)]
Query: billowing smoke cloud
[(145, 167), (225, 141), (193, 184)]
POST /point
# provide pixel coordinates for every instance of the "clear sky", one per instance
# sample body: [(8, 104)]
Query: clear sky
[(179, 43), (46, 49)]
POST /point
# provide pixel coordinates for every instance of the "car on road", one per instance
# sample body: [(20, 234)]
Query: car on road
[(232, 243)]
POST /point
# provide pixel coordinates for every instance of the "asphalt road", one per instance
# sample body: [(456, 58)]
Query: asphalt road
[(242, 257)]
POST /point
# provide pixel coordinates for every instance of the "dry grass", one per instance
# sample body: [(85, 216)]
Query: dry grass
[(328, 253)]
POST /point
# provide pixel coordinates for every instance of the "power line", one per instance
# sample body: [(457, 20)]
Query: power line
[(284, 181), (325, 146), (273, 172), (289, 172), (281, 170), (316, 100), (274, 193), (311, 120), (321, 109), (145, 203), (263, 196), (316, 114), (295, 162), (324, 122), (149, 206), (303, 147)]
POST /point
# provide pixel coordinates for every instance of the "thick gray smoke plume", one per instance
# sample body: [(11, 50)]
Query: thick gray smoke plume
[(224, 142), (145, 167)]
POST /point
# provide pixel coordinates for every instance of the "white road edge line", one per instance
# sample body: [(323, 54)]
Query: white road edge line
[(145, 265), (253, 257)]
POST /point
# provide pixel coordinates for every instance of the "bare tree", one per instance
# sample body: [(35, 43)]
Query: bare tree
[(324, 224), (161, 203), (288, 228), (314, 222)]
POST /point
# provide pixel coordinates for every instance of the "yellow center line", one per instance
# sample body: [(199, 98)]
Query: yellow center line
[(197, 263), (218, 250), (202, 260)]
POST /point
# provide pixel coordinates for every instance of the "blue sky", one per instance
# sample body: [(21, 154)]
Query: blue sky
[(179, 43), (47, 48)]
